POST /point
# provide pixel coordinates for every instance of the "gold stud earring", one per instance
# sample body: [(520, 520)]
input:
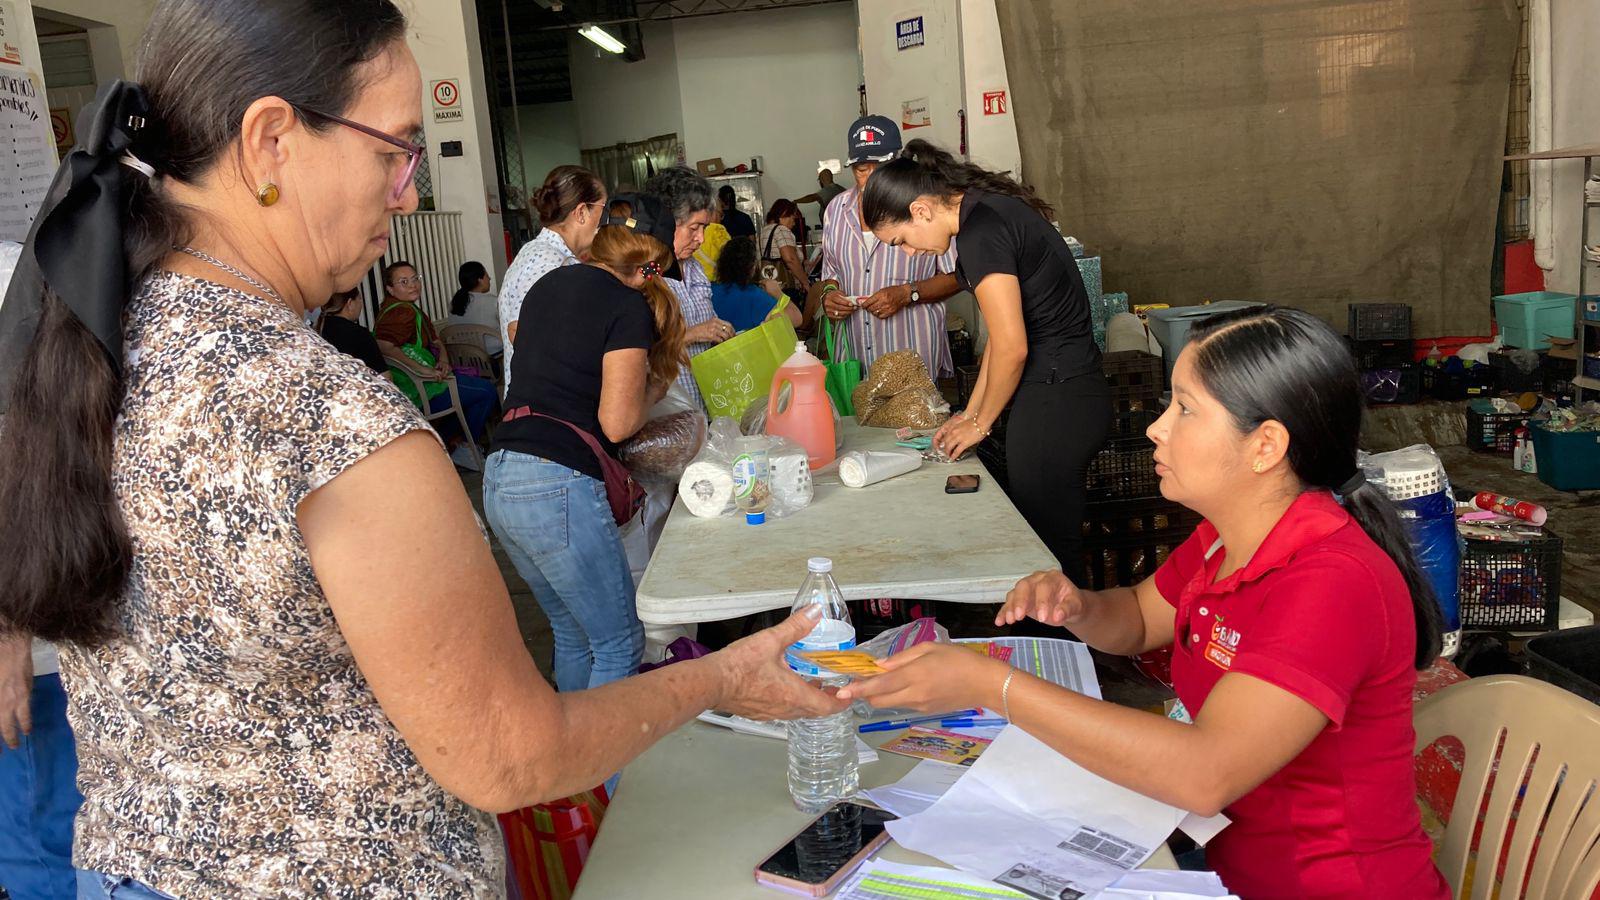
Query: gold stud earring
[(268, 195), (1256, 467)]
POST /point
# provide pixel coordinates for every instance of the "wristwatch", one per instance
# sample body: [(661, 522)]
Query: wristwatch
[(916, 295)]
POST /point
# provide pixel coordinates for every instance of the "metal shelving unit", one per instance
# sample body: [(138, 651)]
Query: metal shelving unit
[(1587, 332)]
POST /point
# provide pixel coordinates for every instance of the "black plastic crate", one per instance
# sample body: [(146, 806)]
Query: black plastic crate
[(1381, 354), (1380, 322), (1494, 432), (966, 380), (1511, 585), (1568, 659), (1124, 562), (1124, 469), (1134, 376), (1443, 384), (1398, 384), (1513, 380)]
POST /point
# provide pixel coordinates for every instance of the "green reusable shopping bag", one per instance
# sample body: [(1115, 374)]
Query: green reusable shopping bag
[(842, 376), (738, 372)]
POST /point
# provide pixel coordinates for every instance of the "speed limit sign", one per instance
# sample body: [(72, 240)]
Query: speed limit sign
[(447, 100)]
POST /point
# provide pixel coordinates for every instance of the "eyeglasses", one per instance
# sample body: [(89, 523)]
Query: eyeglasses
[(413, 151), (407, 282)]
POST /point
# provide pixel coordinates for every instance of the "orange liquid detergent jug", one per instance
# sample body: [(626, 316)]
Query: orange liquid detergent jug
[(799, 409)]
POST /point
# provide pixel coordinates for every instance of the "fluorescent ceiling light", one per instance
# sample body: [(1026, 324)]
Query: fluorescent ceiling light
[(602, 38)]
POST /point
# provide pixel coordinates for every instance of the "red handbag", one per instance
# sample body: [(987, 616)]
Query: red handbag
[(622, 492)]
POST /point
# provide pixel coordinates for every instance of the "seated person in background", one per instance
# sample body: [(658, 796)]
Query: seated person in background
[(738, 297), (406, 329), (340, 327), (473, 304)]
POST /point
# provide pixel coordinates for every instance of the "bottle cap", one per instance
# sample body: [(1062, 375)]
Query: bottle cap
[(800, 346), (755, 518), (819, 564)]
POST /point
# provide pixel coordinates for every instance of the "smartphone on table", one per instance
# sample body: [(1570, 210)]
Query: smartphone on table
[(961, 484), (816, 861)]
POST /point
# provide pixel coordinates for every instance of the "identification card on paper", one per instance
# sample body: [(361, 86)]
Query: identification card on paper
[(858, 663), (943, 746)]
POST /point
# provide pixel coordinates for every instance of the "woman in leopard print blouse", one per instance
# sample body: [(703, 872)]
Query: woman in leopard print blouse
[(219, 515)]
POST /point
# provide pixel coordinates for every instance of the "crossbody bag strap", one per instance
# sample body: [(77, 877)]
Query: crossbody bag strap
[(766, 255)]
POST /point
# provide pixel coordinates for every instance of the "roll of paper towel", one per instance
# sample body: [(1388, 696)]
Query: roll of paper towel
[(859, 468), (707, 489)]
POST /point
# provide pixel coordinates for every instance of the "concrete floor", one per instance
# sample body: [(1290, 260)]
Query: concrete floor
[(1574, 516)]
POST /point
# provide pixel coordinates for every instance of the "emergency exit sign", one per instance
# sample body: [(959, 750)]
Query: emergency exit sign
[(908, 33)]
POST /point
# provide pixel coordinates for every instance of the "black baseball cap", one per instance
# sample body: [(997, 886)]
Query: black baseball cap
[(873, 139), (649, 216)]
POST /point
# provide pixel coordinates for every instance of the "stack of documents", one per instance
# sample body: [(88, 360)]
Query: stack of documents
[(882, 880), (1029, 818)]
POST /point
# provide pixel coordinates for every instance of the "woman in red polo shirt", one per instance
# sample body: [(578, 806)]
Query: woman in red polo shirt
[(1297, 617)]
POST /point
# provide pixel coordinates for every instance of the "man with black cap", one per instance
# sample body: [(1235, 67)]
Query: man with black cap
[(892, 300)]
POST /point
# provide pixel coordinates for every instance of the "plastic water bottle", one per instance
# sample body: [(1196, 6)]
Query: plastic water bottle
[(822, 751)]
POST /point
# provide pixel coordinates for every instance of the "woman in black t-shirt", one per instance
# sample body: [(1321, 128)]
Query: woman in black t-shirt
[(597, 346), (338, 326), (1041, 359)]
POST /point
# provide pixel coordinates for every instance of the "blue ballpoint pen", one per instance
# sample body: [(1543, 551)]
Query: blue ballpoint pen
[(892, 724), (973, 723)]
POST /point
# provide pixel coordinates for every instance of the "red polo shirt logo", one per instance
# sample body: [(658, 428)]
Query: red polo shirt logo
[(1223, 642)]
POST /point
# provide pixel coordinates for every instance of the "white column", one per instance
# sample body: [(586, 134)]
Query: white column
[(443, 35)]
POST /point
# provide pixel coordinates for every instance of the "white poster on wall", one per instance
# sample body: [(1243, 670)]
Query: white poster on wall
[(10, 34), (27, 153)]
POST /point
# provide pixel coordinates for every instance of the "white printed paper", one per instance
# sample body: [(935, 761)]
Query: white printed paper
[(1029, 818), (1060, 662)]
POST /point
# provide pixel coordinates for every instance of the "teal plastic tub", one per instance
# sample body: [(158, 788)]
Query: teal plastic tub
[(1568, 460), (1530, 320)]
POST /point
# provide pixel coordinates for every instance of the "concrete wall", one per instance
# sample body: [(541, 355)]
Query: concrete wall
[(115, 27), (549, 139), (931, 71), (443, 34), (620, 101), (781, 85), (1575, 119), (777, 84)]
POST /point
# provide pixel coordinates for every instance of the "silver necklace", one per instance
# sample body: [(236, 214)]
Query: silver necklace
[(203, 257)]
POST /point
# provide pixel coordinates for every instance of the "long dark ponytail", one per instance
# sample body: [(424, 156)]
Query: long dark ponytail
[(468, 276), (64, 547), (924, 170), (1266, 363)]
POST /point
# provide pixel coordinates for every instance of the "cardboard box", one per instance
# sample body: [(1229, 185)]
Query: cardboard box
[(711, 166), (1564, 348)]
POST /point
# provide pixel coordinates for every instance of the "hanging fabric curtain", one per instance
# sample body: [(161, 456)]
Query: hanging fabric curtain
[(628, 166)]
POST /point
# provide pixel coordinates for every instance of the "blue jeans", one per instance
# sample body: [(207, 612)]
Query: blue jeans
[(95, 886), (478, 397), (556, 526), (38, 799)]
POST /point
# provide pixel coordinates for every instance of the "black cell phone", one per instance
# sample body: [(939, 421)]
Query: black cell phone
[(961, 484), (818, 859)]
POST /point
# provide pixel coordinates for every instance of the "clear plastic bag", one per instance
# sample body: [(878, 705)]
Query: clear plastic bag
[(706, 486), (790, 474), (917, 631), (658, 454), (898, 393)]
